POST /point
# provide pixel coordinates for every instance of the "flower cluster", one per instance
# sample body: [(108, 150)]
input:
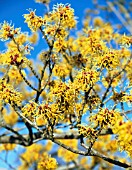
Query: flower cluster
[(31, 155), (64, 14), (87, 78), (13, 57), (62, 70), (127, 98), (46, 162), (42, 112), (49, 111), (7, 31), (105, 118), (34, 22), (109, 59), (112, 146), (29, 110), (15, 76), (7, 147), (93, 101), (124, 134), (64, 95), (126, 41), (87, 131), (90, 44), (9, 95)]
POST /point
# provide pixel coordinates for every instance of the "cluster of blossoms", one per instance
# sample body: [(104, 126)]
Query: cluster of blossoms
[(109, 75), (87, 78), (38, 156), (63, 14), (9, 95), (13, 57), (87, 131), (16, 47), (29, 110), (66, 155), (106, 118), (127, 98), (7, 147), (109, 59), (42, 112), (90, 44), (46, 162), (54, 30), (124, 134), (20, 40), (31, 155), (64, 95), (93, 101), (7, 31), (60, 45), (126, 41), (62, 70), (15, 76), (34, 22)]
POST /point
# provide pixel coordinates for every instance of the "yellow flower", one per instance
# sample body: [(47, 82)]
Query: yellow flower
[(29, 110), (33, 38), (9, 95), (13, 57), (124, 134), (110, 59), (7, 31), (34, 22), (7, 147), (62, 70), (87, 78), (31, 155), (87, 131), (46, 162), (11, 118), (15, 76), (106, 118), (98, 22), (112, 146), (63, 14), (126, 41)]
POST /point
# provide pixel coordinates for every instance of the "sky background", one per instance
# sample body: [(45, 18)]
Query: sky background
[(13, 10)]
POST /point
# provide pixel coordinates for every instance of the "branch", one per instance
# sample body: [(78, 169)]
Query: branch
[(26, 81), (37, 136), (123, 21), (112, 161)]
